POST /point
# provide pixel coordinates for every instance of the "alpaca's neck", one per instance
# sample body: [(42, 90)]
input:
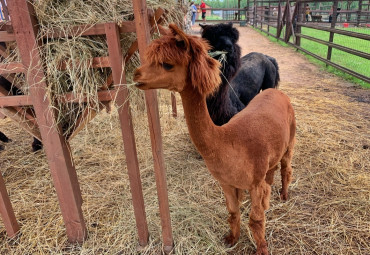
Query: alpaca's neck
[(224, 104), (201, 128)]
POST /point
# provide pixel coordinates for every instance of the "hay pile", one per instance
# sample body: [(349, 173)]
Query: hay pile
[(78, 77), (327, 212)]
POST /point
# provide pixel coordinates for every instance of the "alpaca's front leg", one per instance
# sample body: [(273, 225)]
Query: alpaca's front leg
[(259, 196), (232, 202)]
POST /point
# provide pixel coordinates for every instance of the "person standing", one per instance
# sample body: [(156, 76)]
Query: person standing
[(203, 8), (308, 13), (193, 13)]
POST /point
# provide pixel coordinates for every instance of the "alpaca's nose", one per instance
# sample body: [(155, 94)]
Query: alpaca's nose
[(137, 74), (228, 47)]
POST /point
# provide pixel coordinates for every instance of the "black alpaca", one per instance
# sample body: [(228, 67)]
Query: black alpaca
[(36, 144), (242, 78)]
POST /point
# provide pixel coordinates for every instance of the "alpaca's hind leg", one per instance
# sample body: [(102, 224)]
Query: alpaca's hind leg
[(232, 196), (286, 173), (257, 216), (270, 175)]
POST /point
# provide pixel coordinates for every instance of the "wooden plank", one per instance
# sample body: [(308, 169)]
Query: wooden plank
[(174, 106), (143, 35), (57, 149), (24, 100), (337, 46), (86, 30), (6, 37), (115, 55), (103, 96), (23, 122), (97, 62), (13, 67), (6, 211), (7, 101), (337, 31), (343, 69)]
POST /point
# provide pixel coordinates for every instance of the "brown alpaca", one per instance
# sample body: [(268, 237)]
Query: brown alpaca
[(242, 154)]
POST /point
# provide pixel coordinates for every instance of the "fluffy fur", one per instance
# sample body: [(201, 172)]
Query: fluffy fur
[(242, 154), (242, 78)]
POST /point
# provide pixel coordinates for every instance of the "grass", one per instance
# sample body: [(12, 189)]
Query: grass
[(355, 63)]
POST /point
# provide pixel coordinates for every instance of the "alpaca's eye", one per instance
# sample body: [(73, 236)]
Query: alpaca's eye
[(167, 66)]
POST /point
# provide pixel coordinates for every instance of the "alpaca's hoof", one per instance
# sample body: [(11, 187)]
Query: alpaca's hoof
[(230, 240), (1, 147), (283, 196), (262, 250)]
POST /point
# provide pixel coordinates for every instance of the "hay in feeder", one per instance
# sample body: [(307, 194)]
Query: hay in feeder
[(78, 76)]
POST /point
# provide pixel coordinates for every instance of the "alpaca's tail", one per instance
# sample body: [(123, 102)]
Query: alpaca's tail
[(272, 76)]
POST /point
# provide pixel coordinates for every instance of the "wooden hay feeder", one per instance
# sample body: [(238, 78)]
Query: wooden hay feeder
[(40, 121)]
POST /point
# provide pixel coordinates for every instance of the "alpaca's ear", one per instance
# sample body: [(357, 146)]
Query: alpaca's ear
[(202, 25), (230, 24), (180, 36), (204, 71), (163, 31)]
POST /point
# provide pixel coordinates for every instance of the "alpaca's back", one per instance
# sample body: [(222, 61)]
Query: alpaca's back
[(257, 72), (267, 122)]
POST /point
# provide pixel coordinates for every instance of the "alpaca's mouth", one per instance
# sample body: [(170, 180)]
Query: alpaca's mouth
[(139, 84)]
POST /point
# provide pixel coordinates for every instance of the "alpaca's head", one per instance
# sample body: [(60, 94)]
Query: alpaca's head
[(177, 60), (221, 37)]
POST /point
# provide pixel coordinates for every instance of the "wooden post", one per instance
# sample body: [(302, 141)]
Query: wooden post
[(333, 22), (6, 211), (300, 17), (359, 13), (116, 62), (278, 29), (142, 31), (247, 12), (255, 13), (174, 107), (56, 148), (268, 18)]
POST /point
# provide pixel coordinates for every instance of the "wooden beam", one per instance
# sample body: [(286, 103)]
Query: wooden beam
[(97, 62), (56, 148), (6, 211), (23, 122), (174, 106), (85, 30), (143, 37), (7, 101), (24, 100), (6, 37), (116, 58), (103, 96), (13, 67)]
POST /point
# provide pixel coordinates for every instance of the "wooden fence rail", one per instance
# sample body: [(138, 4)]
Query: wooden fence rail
[(289, 17)]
